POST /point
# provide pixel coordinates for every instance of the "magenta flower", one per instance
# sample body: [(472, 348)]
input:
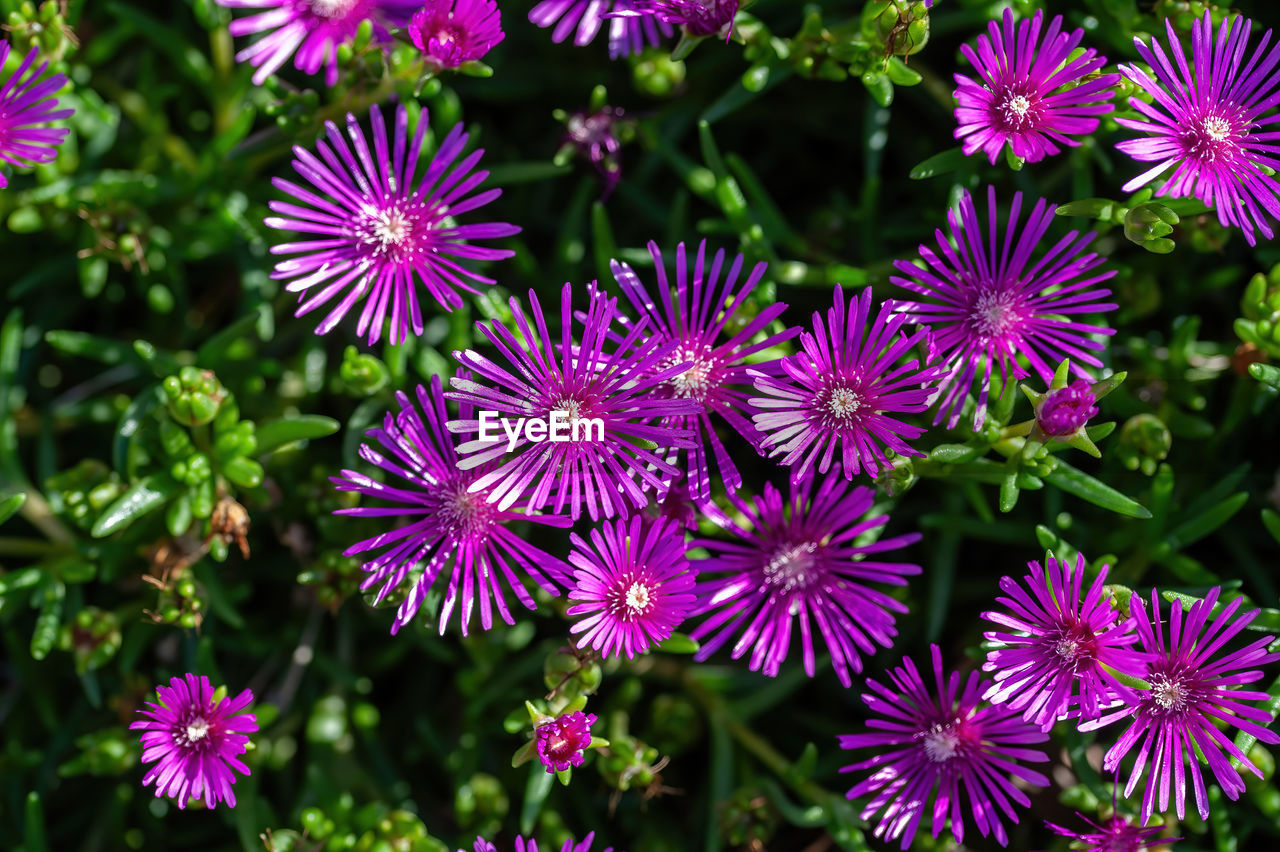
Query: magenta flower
[(943, 745), (841, 390), (449, 526), (1065, 410), (26, 101), (195, 741), (595, 136), (1114, 835), (378, 232), (627, 34), (1209, 122), (989, 302), (601, 403), (633, 583), (1031, 94), (310, 31), (522, 845), (800, 561), (451, 32), (697, 17), (561, 741), (695, 321), (1064, 649), (1191, 690)]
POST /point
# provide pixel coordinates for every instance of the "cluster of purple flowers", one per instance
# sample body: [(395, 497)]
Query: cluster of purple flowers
[(647, 386)]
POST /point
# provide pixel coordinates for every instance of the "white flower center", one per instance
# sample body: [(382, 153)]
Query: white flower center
[(1017, 111), (694, 382), (993, 313), (331, 8), (793, 567), (395, 233), (843, 403), (198, 729), (941, 743), (1169, 693), (638, 598), (1216, 128)]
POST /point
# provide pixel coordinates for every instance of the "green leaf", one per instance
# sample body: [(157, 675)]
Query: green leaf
[(81, 345), (141, 407), (678, 643), (276, 433), (49, 619), (1093, 208), (940, 164), (34, 837), (535, 794), (10, 505), (604, 246), (1271, 520), (215, 348), (1084, 486), (144, 497), (1268, 374), (1204, 523)]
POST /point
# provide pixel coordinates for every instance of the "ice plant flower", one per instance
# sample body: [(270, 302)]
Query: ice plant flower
[(560, 742), (1191, 690), (310, 31), (522, 845), (195, 741), (1209, 122), (1031, 94), (696, 320), (607, 396), (1063, 646), (946, 745), (628, 34), (800, 561), (595, 135), (446, 526), (989, 301), (377, 231), (26, 101), (1113, 835), (1067, 410), (451, 32), (696, 17), (842, 389), (632, 583)]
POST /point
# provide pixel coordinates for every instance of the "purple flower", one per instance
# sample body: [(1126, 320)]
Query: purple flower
[(946, 739), (1066, 410), (561, 741), (450, 526), (1031, 94), (800, 561), (1114, 835), (522, 845), (1065, 647), (695, 321), (1190, 693), (840, 390), (601, 402), (451, 32), (378, 231), (1210, 124), (697, 17), (628, 34), (595, 136), (988, 302), (195, 741), (25, 102), (310, 31), (633, 583)]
